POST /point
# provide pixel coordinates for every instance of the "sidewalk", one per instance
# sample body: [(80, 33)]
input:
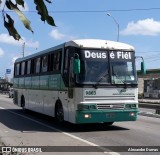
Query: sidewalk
[(144, 111), (149, 100)]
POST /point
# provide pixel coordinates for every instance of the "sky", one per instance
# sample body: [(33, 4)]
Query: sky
[(139, 26)]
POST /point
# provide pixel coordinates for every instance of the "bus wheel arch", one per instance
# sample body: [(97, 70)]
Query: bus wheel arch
[(59, 112)]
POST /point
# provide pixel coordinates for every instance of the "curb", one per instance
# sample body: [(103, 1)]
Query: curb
[(149, 114), (149, 101)]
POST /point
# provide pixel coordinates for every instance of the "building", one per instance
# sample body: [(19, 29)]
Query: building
[(5, 85), (149, 84)]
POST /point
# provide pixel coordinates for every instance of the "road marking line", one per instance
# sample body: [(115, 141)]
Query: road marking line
[(65, 133)]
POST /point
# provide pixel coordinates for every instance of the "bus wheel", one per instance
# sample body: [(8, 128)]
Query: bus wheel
[(59, 113), (108, 123), (23, 103)]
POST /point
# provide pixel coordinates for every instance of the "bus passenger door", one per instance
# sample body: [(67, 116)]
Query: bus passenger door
[(68, 77), (71, 79), (71, 105)]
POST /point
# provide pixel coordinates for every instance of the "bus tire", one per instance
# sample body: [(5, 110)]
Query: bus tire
[(108, 123), (59, 113), (23, 103)]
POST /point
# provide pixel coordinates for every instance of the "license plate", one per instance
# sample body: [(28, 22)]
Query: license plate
[(110, 115)]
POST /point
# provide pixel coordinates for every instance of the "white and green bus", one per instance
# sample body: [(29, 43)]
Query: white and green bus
[(80, 81)]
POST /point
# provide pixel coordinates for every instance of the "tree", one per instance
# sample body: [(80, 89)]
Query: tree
[(9, 22)]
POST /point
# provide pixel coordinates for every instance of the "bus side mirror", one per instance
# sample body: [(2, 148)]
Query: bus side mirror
[(143, 68), (77, 66)]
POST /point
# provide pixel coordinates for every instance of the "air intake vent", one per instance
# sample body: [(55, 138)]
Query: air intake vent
[(110, 106)]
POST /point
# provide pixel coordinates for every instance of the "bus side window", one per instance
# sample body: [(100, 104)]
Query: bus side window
[(22, 68), (32, 70), (45, 63), (25, 69), (14, 70), (37, 65), (28, 67), (17, 69), (66, 62), (65, 67), (56, 57)]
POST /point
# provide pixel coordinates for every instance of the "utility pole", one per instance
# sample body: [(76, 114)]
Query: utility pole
[(23, 47)]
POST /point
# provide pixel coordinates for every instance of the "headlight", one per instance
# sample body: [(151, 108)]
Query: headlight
[(127, 106), (83, 107), (92, 107), (131, 106), (86, 107)]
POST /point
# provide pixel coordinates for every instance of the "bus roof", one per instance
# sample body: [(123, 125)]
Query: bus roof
[(95, 43), (85, 43)]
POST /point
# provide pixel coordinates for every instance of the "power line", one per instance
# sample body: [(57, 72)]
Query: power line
[(140, 9), (95, 11), (153, 60), (151, 57), (149, 52), (104, 11)]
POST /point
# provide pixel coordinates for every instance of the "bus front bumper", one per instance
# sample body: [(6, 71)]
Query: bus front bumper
[(98, 116)]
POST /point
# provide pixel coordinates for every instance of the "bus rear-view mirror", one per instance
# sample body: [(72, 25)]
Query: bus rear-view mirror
[(143, 68), (77, 66)]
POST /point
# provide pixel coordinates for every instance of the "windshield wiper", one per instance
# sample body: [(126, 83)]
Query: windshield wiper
[(103, 76)]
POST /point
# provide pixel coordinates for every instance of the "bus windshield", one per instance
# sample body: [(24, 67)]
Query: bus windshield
[(93, 72), (107, 67), (123, 72)]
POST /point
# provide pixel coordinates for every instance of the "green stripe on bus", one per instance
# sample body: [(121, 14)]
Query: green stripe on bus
[(98, 116), (45, 82)]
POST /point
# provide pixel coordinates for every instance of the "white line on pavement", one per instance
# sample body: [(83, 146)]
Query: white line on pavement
[(65, 133)]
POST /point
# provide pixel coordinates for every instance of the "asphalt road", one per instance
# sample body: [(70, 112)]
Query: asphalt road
[(31, 129)]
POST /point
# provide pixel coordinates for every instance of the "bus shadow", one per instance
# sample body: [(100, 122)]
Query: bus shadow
[(16, 119), (92, 127), (29, 121)]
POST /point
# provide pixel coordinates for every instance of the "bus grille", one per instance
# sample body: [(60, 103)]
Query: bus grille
[(110, 106)]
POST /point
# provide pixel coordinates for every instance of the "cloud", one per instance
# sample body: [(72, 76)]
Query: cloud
[(147, 26), (13, 61), (30, 43), (55, 34), (5, 38), (1, 52)]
